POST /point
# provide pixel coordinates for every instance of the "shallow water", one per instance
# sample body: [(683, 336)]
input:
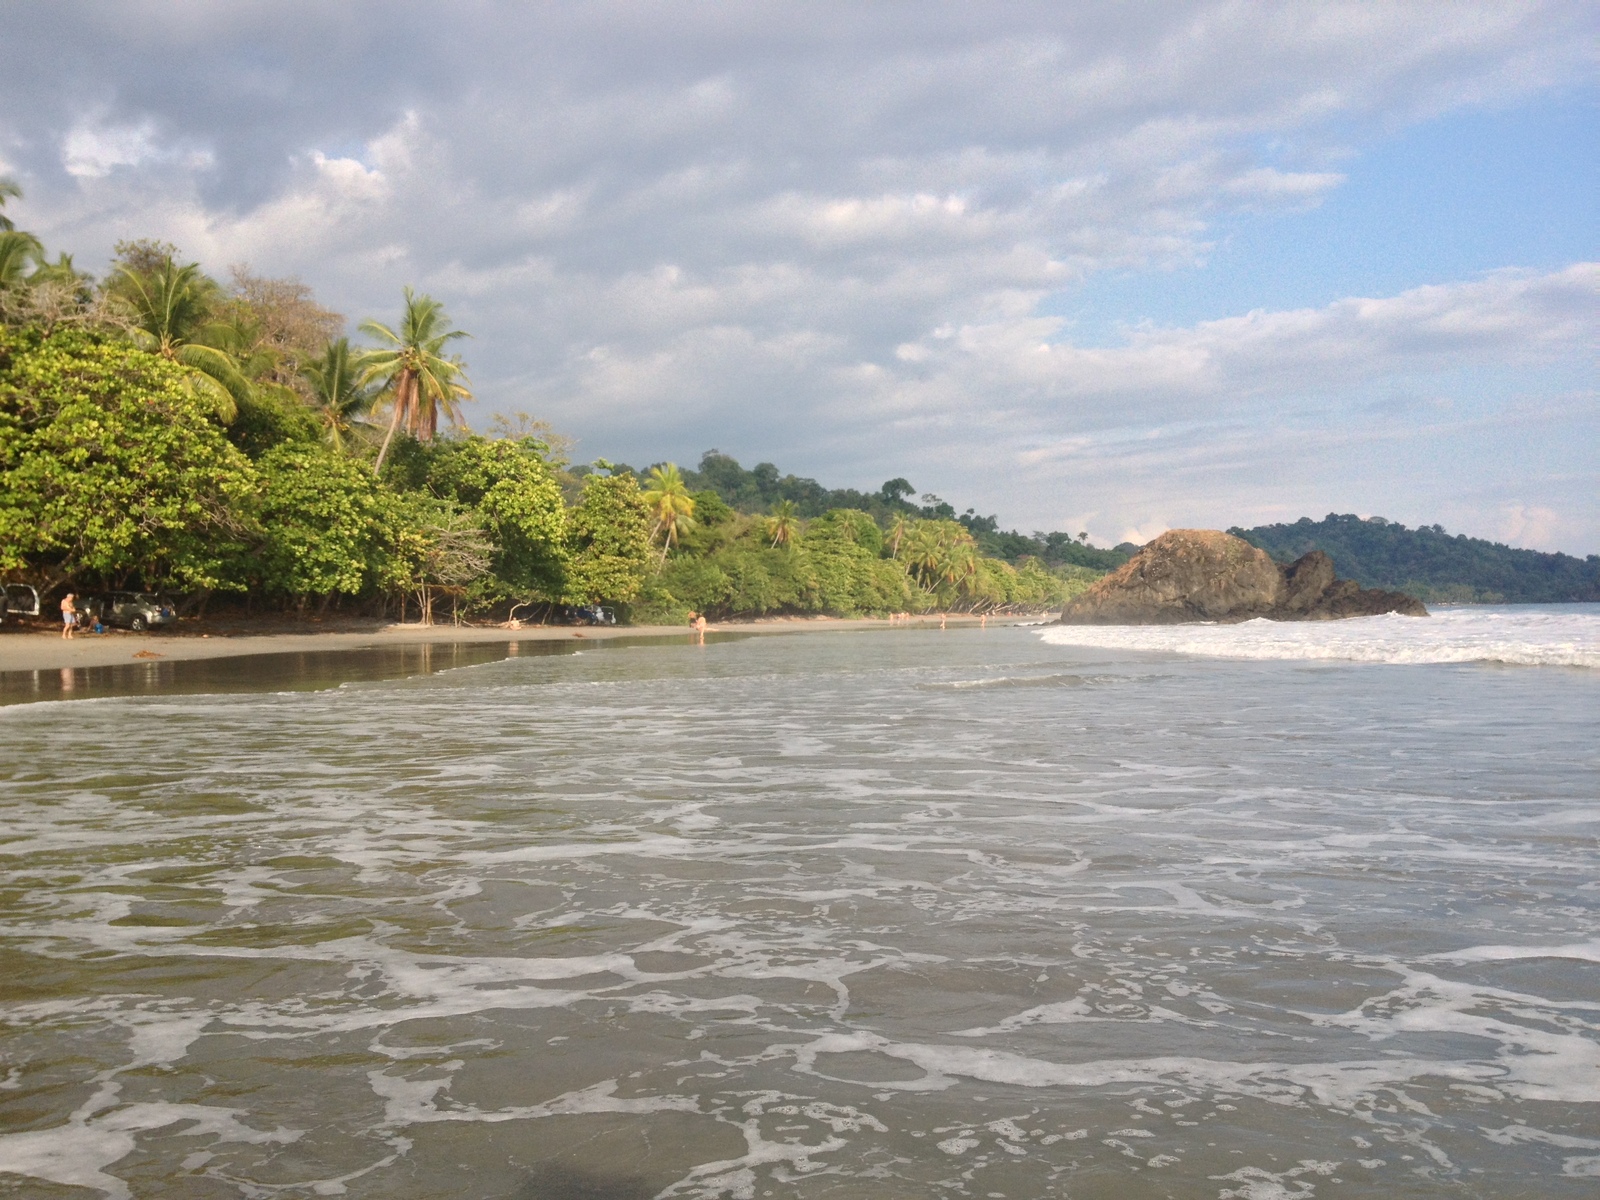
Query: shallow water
[(870, 914)]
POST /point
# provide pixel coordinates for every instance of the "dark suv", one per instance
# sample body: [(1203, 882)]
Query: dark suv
[(589, 614), (137, 611)]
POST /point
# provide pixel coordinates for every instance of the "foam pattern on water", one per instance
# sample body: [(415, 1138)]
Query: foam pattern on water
[(857, 915), (1522, 635)]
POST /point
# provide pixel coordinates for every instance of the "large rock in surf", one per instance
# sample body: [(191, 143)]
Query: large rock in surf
[(1206, 575)]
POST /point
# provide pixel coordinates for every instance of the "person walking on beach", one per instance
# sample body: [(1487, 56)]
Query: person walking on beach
[(69, 614)]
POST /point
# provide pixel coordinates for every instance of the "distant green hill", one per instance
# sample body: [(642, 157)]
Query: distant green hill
[(1432, 564), (757, 489)]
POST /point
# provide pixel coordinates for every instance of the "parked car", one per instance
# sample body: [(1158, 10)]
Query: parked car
[(542, 612), (582, 614), (592, 614), (137, 611), (18, 599)]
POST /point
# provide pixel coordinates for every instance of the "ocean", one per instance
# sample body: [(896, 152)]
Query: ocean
[(1255, 911)]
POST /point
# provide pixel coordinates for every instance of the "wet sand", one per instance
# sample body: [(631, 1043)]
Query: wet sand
[(36, 650)]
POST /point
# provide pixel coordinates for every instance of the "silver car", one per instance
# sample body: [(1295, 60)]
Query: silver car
[(137, 611)]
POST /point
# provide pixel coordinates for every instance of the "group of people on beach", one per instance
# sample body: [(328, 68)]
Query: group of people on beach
[(903, 617), (697, 623)]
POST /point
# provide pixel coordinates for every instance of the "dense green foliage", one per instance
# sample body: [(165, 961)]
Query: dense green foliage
[(762, 489), (609, 534), (325, 525), (115, 472), (511, 489), (1430, 563), (1053, 549), (111, 468), (842, 564), (164, 432)]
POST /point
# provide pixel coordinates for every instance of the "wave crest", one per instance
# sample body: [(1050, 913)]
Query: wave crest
[(1543, 636)]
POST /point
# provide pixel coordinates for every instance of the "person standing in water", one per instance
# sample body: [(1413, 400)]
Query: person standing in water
[(69, 614)]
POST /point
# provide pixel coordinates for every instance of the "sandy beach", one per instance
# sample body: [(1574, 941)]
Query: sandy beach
[(23, 649)]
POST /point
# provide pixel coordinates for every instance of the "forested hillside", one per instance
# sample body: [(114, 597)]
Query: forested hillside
[(757, 489), (1431, 564)]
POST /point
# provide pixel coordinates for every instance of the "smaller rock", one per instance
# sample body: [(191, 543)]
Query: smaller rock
[(1306, 580)]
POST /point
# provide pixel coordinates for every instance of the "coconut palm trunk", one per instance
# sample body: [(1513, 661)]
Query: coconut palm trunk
[(402, 404)]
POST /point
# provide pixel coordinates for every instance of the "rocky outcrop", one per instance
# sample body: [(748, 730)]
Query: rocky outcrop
[(1205, 575)]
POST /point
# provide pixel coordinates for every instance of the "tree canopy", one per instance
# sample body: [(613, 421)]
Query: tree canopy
[(1431, 564)]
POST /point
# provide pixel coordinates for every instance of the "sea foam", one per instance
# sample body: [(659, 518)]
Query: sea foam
[(1523, 635)]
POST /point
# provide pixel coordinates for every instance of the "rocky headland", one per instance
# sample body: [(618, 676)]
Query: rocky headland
[(1189, 575)]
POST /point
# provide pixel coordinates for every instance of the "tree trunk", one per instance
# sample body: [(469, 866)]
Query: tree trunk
[(402, 398)]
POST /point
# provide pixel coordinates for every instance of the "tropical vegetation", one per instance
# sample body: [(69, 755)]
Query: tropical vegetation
[(226, 443)]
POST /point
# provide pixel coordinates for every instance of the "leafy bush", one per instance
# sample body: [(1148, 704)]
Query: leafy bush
[(324, 523), (111, 468)]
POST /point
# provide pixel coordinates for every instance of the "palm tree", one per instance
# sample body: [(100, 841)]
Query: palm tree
[(8, 187), (413, 368), (20, 253), (64, 272), (898, 528), (783, 524), (670, 504), (173, 308), (924, 552), (960, 567), (337, 389)]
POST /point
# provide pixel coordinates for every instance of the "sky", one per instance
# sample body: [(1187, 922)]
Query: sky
[(1114, 268)]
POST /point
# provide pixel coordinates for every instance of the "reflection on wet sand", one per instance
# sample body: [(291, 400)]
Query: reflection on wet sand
[(295, 671)]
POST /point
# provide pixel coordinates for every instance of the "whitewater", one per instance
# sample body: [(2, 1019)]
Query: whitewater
[(1520, 635)]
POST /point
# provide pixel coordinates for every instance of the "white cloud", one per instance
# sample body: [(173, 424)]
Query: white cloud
[(1509, 317), (1271, 184), (1526, 525), (820, 234), (89, 152)]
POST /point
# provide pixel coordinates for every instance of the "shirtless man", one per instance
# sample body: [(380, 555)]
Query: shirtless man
[(69, 614)]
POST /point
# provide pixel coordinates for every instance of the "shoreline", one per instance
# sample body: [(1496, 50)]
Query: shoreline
[(47, 650)]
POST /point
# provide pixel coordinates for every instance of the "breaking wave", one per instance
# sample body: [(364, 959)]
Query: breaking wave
[(1521, 635)]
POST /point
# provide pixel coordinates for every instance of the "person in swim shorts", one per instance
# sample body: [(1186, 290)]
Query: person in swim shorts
[(69, 614)]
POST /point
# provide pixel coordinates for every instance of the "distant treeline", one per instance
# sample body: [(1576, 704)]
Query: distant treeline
[(758, 489), (1431, 564)]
